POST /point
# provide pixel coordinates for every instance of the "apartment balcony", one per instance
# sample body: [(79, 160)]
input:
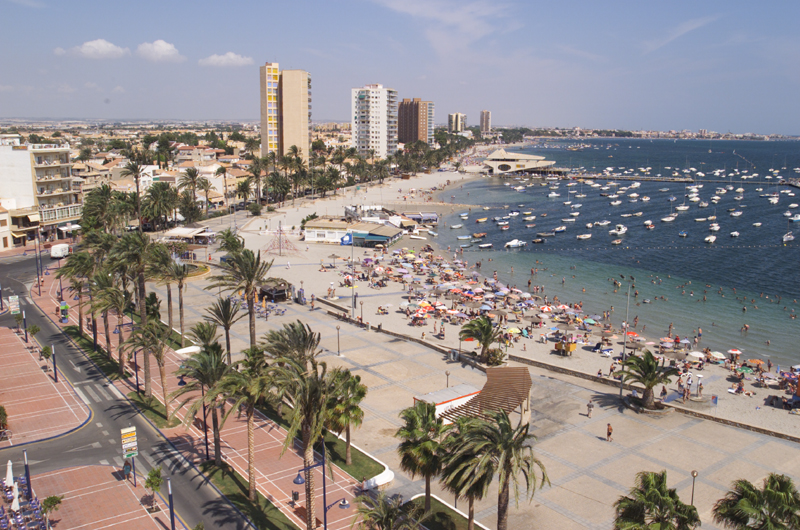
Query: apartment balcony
[(51, 148), (50, 177), (40, 161), (52, 192), (56, 213)]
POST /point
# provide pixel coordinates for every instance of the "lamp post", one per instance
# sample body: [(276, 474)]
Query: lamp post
[(338, 342), (630, 279), (694, 476), (55, 369), (362, 312), (353, 286), (25, 325), (135, 364), (447, 373), (300, 480), (2, 306), (28, 474), (171, 508)]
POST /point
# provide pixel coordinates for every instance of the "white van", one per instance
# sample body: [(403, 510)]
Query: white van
[(59, 251)]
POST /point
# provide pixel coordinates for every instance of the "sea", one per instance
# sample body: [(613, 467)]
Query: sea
[(740, 291)]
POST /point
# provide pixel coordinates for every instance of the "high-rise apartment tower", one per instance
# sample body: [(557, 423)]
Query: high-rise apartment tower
[(415, 121), (374, 120), (486, 121), (456, 123), (285, 110)]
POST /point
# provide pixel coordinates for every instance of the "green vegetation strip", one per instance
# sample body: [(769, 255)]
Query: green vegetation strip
[(109, 367), (363, 465), (154, 410), (262, 513), (443, 517), (174, 340)]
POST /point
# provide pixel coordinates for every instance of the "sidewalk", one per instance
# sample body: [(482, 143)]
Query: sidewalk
[(274, 474), (37, 406), (31, 248)]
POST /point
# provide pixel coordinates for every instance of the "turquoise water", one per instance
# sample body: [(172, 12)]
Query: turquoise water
[(683, 270)]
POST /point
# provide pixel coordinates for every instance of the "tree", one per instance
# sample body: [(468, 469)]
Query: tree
[(244, 271), (204, 333), (204, 370), (177, 273), (651, 504), (205, 186), (254, 209), (225, 313), (33, 329), (482, 331), (230, 242), (776, 506), (153, 337), (308, 389), (346, 411), (188, 206), (244, 189), (85, 154), (223, 171), (49, 505), (388, 513), (154, 482), (420, 449), (135, 171), (503, 450), (189, 181), (159, 202), (245, 387), (18, 318), (116, 299), (76, 269), (462, 474), (646, 371)]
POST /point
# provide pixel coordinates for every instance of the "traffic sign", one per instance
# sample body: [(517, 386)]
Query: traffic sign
[(130, 445), (13, 304)]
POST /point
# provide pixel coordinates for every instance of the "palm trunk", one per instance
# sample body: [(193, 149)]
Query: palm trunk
[(94, 323), (251, 459), (502, 503), (108, 335), (251, 308), (162, 370), (648, 399), (427, 493), (148, 387), (308, 460), (217, 444), (119, 347), (471, 513), (80, 314), (348, 459), (169, 307), (228, 344), (180, 310)]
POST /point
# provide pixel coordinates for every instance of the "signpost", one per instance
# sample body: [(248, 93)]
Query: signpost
[(130, 447), (13, 304)]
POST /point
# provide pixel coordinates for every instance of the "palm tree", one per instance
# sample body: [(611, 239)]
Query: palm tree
[(116, 299), (308, 388), (295, 340), (503, 450), (101, 280), (76, 269), (388, 513), (135, 171), (245, 271), (224, 313), (177, 273), (255, 170), (159, 201), (462, 473), (251, 144), (205, 186), (482, 331), (346, 411), (152, 337), (244, 189), (651, 504), (223, 171), (204, 333), (774, 507), (98, 204), (203, 371), (246, 387), (646, 371), (420, 450), (189, 181)]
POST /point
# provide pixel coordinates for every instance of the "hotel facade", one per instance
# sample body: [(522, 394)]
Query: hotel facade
[(285, 110), (415, 121), (373, 111)]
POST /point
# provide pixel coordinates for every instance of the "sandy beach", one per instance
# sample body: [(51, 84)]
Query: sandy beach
[(302, 268)]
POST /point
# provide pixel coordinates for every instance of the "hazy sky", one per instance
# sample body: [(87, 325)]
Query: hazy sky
[(720, 65)]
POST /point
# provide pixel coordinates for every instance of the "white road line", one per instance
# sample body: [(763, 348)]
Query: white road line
[(91, 393), (114, 390), (102, 392), (83, 398), (104, 462)]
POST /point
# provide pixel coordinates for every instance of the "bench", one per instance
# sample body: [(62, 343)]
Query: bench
[(300, 511)]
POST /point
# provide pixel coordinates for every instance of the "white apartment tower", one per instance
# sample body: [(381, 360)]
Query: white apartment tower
[(285, 110), (374, 120), (456, 122)]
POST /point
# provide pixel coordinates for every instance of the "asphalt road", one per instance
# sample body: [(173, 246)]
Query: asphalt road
[(98, 441)]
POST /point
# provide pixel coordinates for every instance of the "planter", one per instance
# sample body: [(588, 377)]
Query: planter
[(663, 411)]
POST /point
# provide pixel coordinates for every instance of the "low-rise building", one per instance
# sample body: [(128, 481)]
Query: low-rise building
[(333, 230)]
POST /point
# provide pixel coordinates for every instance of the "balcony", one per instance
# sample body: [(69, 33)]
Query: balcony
[(49, 162), (50, 177), (50, 214), (51, 192)]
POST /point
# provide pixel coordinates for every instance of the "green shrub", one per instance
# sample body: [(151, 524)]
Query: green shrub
[(495, 357), (3, 417), (254, 209)]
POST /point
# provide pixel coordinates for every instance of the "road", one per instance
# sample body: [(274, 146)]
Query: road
[(98, 442)]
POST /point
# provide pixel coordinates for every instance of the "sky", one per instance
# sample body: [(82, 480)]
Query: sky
[(726, 66)]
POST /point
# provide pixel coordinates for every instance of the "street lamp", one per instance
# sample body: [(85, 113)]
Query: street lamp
[(447, 373), (630, 280), (342, 503), (362, 311), (338, 343), (171, 509), (694, 476)]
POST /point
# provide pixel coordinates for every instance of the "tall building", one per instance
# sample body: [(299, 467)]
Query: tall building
[(456, 123), (415, 121), (38, 190), (285, 110), (374, 120), (486, 121)]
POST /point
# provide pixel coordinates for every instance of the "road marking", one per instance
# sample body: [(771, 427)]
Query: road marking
[(73, 366), (91, 393), (102, 392), (118, 461), (112, 441), (104, 462), (83, 398), (114, 390), (99, 425), (149, 460), (105, 433)]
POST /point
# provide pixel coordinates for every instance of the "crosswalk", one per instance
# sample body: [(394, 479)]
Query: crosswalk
[(93, 392)]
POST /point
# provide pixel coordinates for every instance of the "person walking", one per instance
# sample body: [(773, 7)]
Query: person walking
[(609, 432), (589, 408)]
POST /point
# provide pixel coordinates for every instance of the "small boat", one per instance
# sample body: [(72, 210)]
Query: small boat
[(589, 225), (626, 215), (714, 227), (466, 245), (531, 225), (485, 245), (703, 204), (434, 234), (756, 224), (615, 203), (701, 219), (683, 233), (454, 227), (502, 223), (476, 240), (527, 213), (788, 236), (672, 198), (668, 219), (504, 227), (712, 217), (602, 223), (485, 207), (462, 237), (737, 213), (560, 229), (545, 234), (464, 215), (515, 243), (418, 237), (616, 242), (645, 198), (648, 223), (568, 220), (529, 218), (553, 194), (618, 230), (513, 213), (682, 208), (482, 220), (544, 215), (734, 234), (584, 236), (710, 239), (638, 214), (479, 234), (537, 241)]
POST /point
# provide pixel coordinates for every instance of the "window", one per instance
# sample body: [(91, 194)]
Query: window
[(3, 222)]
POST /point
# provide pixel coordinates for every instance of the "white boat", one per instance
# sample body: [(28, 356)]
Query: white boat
[(515, 243), (589, 225), (736, 213), (485, 207), (417, 237), (463, 237), (456, 226), (668, 219), (638, 214), (788, 236), (502, 223), (714, 227), (683, 233), (648, 223), (561, 228), (464, 215), (734, 234), (529, 218), (701, 219), (618, 230), (485, 245), (703, 204), (710, 239), (682, 208), (553, 194), (602, 223), (584, 236), (615, 203), (645, 198), (756, 224), (432, 233), (574, 214)]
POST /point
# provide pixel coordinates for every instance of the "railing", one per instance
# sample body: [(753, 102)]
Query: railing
[(57, 213)]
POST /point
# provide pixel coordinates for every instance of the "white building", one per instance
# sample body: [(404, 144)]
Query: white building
[(502, 161), (374, 120), (456, 122)]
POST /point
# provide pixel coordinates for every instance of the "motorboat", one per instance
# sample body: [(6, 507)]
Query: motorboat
[(648, 223), (553, 194), (626, 215), (545, 234), (527, 213), (701, 219), (568, 220), (479, 234), (560, 229), (485, 245), (703, 204), (710, 239), (584, 236), (482, 220), (455, 227), (645, 198), (589, 225), (463, 237), (529, 218), (468, 245), (485, 207), (669, 218), (638, 214), (513, 213), (683, 233), (616, 242), (531, 225), (505, 227), (417, 237), (602, 223), (788, 236), (434, 234), (464, 215), (756, 224), (502, 223), (737, 213), (615, 203), (515, 243), (618, 230), (682, 208), (476, 240), (714, 227), (574, 214), (537, 241), (734, 234)]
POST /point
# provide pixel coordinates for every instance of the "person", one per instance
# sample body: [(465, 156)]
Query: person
[(600, 373), (700, 389), (609, 432), (589, 408), (663, 392)]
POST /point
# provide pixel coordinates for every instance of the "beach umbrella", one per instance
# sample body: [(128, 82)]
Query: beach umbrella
[(545, 309), (717, 355), (9, 473), (563, 306), (461, 315), (500, 312), (651, 343), (500, 294), (532, 318), (632, 334), (734, 351), (543, 315), (745, 370), (525, 296), (514, 330), (486, 307), (15, 502), (665, 339), (755, 361), (686, 341), (667, 345), (696, 354), (590, 321), (488, 296)]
